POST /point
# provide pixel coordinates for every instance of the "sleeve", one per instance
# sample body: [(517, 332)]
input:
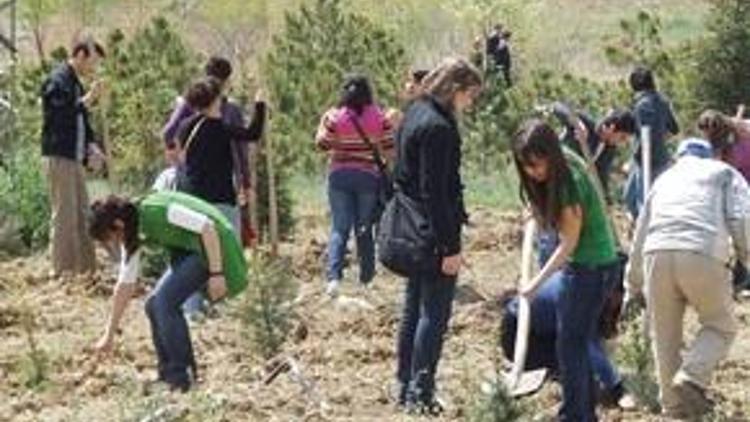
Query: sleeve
[(129, 268), (254, 131), (737, 209), (171, 129), (564, 114), (437, 168), (386, 141), (672, 126), (634, 271), (187, 219), (326, 134), (55, 95)]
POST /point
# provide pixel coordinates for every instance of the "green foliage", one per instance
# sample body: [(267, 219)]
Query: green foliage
[(266, 311), (640, 41), (319, 44), (723, 79), (634, 356), (145, 75), (23, 195)]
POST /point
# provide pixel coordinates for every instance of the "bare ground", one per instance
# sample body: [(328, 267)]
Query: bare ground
[(343, 352)]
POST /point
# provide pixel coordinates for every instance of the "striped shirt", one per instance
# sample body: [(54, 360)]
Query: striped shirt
[(338, 136)]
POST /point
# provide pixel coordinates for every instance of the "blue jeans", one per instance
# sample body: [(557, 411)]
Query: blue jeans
[(426, 312), (580, 304), (187, 274), (633, 191), (353, 197), (197, 301)]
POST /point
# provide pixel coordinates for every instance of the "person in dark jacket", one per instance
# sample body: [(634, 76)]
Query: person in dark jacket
[(498, 52), (602, 137), (428, 172), (651, 109), (68, 145)]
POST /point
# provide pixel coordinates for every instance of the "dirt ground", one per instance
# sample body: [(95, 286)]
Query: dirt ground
[(342, 369)]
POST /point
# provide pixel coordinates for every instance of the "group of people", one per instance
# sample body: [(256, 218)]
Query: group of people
[(193, 211), (698, 208)]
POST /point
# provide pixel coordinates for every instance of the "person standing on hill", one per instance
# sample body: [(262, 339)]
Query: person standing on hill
[(696, 211), (564, 197), (350, 134), (68, 145), (498, 52), (651, 109), (428, 173)]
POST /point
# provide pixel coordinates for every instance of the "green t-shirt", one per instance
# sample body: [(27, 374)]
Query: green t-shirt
[(596, 243), (156, 226)]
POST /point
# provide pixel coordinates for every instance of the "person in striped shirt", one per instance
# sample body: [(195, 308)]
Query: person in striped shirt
[(349, 133)]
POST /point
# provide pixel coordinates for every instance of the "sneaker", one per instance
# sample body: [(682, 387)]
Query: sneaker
[(693, 397), (618, 396), (431, 408), (332, 289)]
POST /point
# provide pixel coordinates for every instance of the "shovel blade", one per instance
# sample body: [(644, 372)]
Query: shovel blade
[(528, 382)]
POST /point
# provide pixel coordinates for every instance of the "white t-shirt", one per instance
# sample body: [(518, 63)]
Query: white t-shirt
[(166, 180), (177, 215)]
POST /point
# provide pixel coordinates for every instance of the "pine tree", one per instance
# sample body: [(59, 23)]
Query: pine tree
[(318, 46), (723, 60)]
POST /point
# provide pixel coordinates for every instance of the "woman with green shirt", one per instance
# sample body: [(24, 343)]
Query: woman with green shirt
[(562, 197), (205, 255)]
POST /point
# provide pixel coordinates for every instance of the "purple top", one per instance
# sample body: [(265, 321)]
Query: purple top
[(739, 155)]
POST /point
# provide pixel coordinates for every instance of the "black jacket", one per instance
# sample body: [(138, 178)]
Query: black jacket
[(428, 169), (61, 103)]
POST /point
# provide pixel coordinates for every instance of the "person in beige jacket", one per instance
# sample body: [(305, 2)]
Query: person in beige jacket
[(695, 212)]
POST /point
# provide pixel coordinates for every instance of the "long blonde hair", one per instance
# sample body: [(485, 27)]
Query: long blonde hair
[(449, 77)]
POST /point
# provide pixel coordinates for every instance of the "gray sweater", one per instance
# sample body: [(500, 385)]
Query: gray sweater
[(696, 205)]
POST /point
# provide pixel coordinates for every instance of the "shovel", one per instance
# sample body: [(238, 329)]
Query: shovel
[(519, 382)]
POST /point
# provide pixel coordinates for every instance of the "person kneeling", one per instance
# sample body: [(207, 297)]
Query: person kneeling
[(205, 254), (543, 338)]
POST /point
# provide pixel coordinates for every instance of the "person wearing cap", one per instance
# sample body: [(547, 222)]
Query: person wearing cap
[(695, 211)]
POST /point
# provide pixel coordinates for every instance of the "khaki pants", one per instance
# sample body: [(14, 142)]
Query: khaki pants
[(71, 247), (675, 279)]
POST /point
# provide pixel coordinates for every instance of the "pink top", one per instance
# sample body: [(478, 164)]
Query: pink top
[(338, 136)]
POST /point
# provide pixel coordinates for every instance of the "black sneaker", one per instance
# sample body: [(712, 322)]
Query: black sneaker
[(431, 408)]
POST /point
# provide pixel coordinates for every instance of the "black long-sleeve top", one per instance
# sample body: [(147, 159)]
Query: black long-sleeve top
[(209, 162), (428, 169)]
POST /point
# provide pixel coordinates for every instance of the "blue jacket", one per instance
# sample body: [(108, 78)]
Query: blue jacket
[(653, 110)]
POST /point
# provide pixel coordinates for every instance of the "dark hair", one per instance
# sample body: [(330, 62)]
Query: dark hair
[(202, 93), (105, 212), (418, 75), (718, 128), (641, 79), (356, 93), (86, 47), (536, 139), (622, 120), (219, 68)]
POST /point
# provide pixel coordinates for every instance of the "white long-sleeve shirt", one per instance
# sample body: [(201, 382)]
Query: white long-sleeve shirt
[(700, 205)]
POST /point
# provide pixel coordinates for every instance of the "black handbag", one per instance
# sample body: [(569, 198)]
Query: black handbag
[(406, 239), (182, 182), (385, 190)]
